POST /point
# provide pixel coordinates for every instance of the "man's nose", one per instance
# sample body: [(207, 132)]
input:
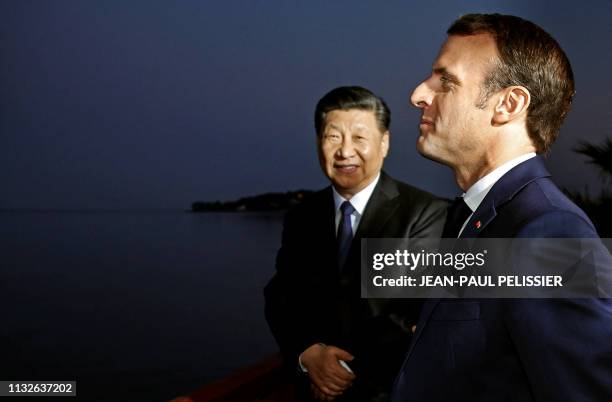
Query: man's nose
[(421, 96), (347, 149)]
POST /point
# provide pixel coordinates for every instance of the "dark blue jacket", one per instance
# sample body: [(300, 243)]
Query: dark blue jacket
[(543, 350)]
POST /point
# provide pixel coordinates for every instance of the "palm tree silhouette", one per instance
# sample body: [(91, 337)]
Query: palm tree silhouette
[(600, 155), (599, 209)]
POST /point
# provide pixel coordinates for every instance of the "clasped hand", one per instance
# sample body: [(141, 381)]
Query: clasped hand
[(329, 378)]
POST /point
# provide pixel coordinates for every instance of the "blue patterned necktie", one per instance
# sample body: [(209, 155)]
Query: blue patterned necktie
[(345, 233)]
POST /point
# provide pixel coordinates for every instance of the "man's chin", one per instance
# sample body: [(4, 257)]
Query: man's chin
[(428, 154), (423, 148), (346, 187)]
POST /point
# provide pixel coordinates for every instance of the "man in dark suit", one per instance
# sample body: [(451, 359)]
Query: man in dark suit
[(337, 344), (498, 93)]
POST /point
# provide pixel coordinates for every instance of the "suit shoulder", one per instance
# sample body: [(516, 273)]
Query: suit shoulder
[(545, 210), (416, 196), (312, 204), (422, 212)]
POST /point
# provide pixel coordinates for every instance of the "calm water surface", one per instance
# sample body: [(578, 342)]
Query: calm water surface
[(133, 306)]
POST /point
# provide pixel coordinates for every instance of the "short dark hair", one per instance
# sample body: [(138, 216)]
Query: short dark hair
[(353, 97), (531, 58)]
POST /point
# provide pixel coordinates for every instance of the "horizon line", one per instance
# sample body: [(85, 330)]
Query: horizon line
[(107, 210)]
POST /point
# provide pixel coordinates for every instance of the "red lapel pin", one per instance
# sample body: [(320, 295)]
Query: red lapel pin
[(478, 224)]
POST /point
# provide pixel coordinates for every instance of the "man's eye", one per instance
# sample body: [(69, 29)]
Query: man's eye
[(446, 82)]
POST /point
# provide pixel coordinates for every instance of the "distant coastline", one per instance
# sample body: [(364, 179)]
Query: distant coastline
[(262, 202)]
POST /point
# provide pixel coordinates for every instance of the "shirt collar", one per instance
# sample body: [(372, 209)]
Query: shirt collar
[(359, 200), (479, 190)]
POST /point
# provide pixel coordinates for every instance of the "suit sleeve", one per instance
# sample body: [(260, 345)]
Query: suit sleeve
[(281, 302), (564, 344)]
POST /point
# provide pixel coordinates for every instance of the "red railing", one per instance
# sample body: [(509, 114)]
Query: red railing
[(262, 382)]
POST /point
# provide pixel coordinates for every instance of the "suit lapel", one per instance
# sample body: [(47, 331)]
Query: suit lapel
[(328, 217), (503, 191), (323, 230), (480, 219), (378, 211)]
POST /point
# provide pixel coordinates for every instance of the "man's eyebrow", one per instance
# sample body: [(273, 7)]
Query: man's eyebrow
[(448, 75), (332, 125)]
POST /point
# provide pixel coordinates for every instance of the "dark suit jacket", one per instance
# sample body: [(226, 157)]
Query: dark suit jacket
[(309, 300), (544, 350)]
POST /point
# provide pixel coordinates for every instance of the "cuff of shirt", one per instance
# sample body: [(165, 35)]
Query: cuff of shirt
[(301, 366)]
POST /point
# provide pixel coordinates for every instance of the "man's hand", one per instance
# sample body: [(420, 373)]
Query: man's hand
[(318, 394), (326, 373)]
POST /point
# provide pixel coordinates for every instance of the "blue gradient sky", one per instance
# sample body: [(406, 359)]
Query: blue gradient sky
[(151, 104)]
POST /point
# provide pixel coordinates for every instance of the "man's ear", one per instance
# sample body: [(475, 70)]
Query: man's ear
[(511, 105), (385, 143)]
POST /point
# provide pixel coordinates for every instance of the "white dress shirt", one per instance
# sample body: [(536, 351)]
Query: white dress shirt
[(479, 190)]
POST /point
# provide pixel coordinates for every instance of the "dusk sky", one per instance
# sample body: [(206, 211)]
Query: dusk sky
[(156, 104)]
